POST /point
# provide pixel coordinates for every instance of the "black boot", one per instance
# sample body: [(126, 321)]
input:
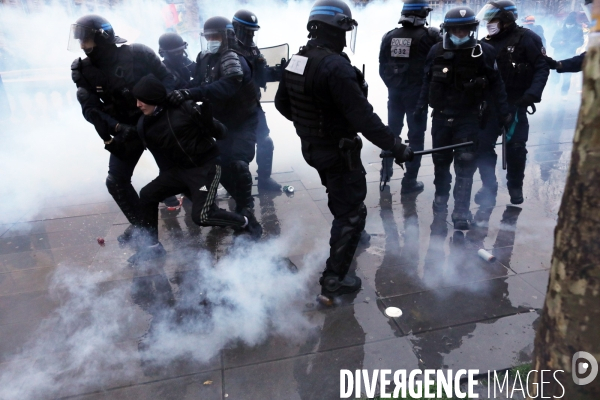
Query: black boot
[(253, 228), (128, 236), (440, 204), (147, 253), (516, 195), (267, 183), (486, 196), (411, 186), (461, 216), (332, 286)]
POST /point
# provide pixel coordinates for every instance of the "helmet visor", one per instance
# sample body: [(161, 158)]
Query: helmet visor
[(488, 13), (209, 39), (351, 38), (80, 38), (460, 37)]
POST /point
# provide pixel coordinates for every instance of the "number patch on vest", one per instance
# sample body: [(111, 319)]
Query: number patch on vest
[(401, 47), (297, 64)]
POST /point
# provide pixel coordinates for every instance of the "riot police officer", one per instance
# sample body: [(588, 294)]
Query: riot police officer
[(401, 63), (104, 81), (245, 25), (458, 74), (321, 93), (171, 48), (224, 78), (519, 55)]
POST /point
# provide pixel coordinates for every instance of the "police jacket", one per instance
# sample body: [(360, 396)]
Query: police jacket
[(104, 84), (225, 79), (457, 81), (520, 59), (178, 137), (182, 72), (566, 41), (325, 101), (573, 64), (261, 72), (403, 53)]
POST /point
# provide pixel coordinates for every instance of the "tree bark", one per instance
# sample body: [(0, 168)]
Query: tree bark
[(570, 320)]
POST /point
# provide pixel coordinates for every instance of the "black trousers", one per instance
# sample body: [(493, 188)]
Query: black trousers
[(346, 192), (445, 131), (200, 186)]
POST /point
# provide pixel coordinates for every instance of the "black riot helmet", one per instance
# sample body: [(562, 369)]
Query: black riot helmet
[(90, 31), (245, 25), (504, 10), (171, 43), (217, 29), (460, 28), (414, 13), (335, 18)]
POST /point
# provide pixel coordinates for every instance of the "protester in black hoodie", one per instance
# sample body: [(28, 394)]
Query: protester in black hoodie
[(182, 139)]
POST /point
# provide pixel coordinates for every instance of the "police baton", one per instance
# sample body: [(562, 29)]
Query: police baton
[(435, 150)]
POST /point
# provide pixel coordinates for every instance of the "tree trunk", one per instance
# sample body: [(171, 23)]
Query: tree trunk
[(571, 316)]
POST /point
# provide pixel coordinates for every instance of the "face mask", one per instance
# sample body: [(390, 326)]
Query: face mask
[(458, 41), (493, 28), (213, 46)]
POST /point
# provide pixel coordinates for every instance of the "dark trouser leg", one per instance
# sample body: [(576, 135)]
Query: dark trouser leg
[(441, 136), (264, 147), (516, 152), (346, 191), (486, 161), (203, 183), (396, 113), (464, 167), (165, 185), (416, 133), (119, 185)]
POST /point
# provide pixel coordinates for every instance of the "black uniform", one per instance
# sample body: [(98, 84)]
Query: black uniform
[(182, 137), (225, 79), (261, 75), (573, 64), (455, 85), (182, 71), (401, 63), (519, 55), (104, 82), (326, 104)]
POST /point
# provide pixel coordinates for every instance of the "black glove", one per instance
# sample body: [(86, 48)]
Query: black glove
[(176, 97), (206, 112), (401, 152), (552, 63), (507, 121), (525, 101), (124, 133), (420, 114)]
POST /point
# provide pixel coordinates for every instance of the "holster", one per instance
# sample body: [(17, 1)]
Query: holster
[(350, 152), (483, 115)]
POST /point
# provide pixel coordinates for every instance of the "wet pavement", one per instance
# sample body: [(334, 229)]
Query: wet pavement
[(459, 311)]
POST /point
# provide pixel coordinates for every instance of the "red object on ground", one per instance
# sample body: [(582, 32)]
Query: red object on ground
[(100, 241)]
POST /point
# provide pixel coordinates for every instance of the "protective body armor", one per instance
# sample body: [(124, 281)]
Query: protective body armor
[(258, 64), (183, 73), (458, 80), (212, 67), (313, 118), (401, 48), (113, 85), (517, 72)]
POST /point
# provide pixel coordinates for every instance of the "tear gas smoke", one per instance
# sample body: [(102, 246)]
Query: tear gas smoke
[(87, 342)]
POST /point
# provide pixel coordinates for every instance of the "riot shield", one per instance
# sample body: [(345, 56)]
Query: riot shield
[(275, 57)]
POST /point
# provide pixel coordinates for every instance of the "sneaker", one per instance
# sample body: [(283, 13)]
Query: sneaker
[(332, 287), (486, 196), (253, 228), (516, 195), (440, 204), (147, 253), (175, 207), (268, 184), (411, 186)]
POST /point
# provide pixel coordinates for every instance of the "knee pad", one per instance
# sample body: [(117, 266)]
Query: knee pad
[(442, 158), (112, 183), (266, 144), (464, 157)]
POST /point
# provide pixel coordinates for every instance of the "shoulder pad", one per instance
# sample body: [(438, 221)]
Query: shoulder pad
[(433, 32), (387, 33), (230, 64), (140, 49), (75, 65)]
